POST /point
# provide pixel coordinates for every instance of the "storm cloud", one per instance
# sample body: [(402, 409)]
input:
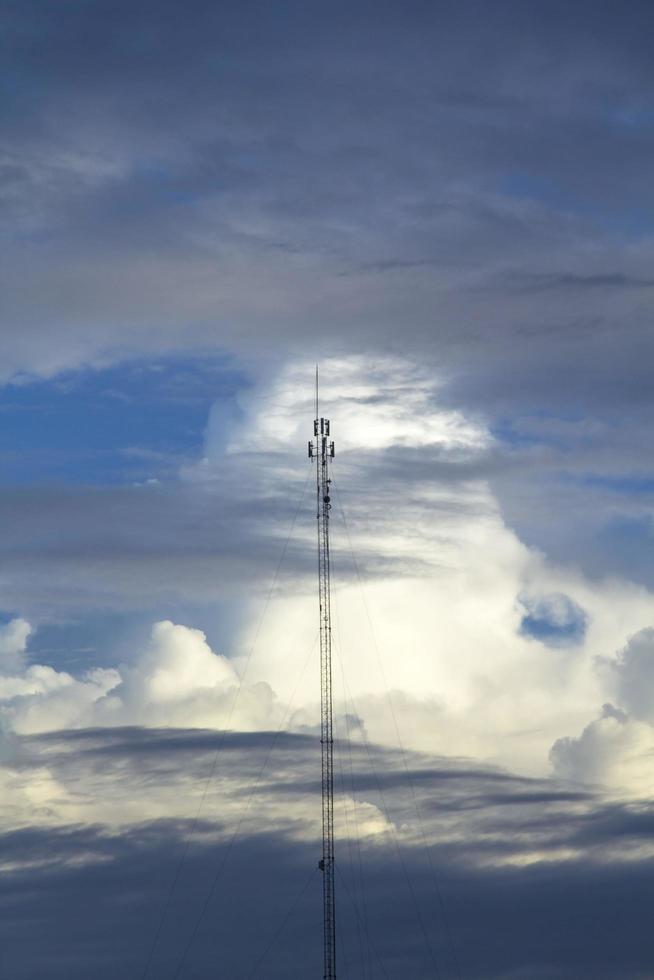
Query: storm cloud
[(524, 868)]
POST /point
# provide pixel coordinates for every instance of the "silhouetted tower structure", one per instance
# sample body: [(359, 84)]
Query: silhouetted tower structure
[(322, 450)]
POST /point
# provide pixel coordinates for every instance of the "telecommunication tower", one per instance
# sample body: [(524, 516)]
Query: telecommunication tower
[(321, 449)]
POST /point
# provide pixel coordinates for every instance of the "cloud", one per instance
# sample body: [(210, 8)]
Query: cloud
[(465, 186), (616, 749), (177, 664), (634, 671), (13, 643), (438, 635), (614, 280), (506, 851), (174, 182), (42, 698), (176, 680), (613, 750), (437, 602)]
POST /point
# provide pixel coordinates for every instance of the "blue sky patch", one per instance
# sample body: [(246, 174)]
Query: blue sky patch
[(129, 422), (554, 619)]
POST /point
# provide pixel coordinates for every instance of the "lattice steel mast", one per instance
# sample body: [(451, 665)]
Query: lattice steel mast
[(322, 450)]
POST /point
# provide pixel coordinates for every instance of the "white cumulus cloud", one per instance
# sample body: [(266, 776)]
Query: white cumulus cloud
[(176, 681), (616, 749), (13, 644)]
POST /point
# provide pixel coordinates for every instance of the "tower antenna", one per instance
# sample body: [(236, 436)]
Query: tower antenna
[(322, 450)]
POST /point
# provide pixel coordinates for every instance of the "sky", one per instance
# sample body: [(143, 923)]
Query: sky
[(449, 208)]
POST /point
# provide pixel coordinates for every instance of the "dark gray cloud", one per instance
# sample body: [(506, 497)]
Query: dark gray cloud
[(471, 188), (535, 880), (141, 547), (162, 161), (613, 280)]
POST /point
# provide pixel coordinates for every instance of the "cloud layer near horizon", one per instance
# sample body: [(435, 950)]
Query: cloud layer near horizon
[(92, 844)]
